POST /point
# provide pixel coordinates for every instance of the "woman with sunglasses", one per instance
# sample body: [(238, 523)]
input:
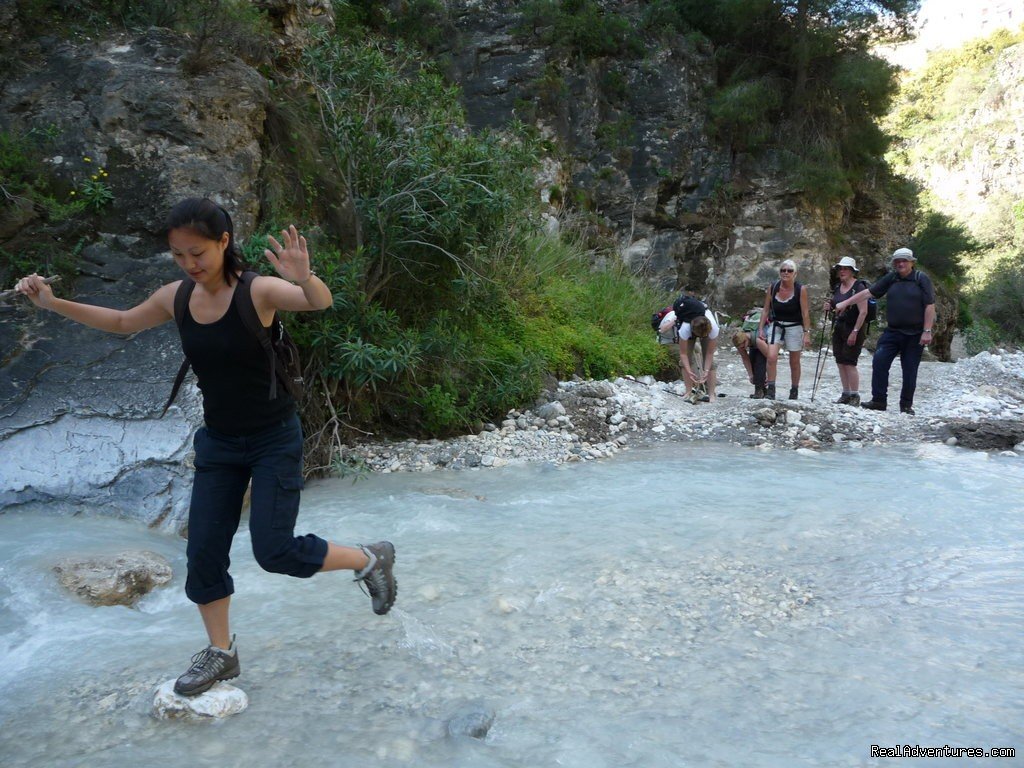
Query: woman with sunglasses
[(785, 321)]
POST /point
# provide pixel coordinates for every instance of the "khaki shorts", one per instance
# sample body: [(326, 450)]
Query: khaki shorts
[(791, 337)]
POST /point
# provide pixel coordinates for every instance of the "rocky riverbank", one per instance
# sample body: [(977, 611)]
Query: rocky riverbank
[(977, 402)]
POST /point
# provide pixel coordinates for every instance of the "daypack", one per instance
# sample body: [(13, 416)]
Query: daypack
[(668, 330), (751, 320), (658, 316), (282, 354), (872, 313)]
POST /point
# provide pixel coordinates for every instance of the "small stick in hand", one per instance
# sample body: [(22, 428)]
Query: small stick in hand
[(4, 295)]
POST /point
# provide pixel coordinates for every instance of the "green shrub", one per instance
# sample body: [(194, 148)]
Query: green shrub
[(943, 246), (580, 27), (1000, 300), (744, 113), (450, 308)]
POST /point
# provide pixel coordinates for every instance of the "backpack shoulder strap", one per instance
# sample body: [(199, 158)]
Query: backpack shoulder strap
[(251, 319), (181, 297)]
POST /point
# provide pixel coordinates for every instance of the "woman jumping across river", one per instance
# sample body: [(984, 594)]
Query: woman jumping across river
[(247, 435)]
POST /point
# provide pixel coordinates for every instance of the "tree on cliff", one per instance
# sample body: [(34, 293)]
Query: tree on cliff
[(861, 22), (798, 76)]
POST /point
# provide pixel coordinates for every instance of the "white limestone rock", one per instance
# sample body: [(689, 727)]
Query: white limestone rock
[(223, 700)]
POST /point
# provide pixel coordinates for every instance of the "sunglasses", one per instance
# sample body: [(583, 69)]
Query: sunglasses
[(784, 271)]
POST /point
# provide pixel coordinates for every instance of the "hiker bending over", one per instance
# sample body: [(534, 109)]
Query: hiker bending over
[(910, 315), (785, 322), (754, 353), (849, 330), (695, 321), (250, 432)]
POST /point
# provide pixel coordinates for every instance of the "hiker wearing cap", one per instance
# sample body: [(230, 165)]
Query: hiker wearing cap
[(695, 321), (785, 322), (910, 316), (850, 329), (251, 430), (753, 351)]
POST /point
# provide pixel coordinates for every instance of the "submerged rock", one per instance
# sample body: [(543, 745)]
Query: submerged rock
[(223, 700), (119, 579), (472, 720)]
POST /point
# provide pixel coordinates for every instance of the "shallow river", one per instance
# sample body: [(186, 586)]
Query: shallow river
[(674, 606)]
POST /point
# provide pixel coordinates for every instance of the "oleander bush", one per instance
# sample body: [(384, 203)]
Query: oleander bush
[(450, 306)]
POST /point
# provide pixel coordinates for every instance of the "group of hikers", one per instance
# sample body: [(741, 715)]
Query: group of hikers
[(784, 322), (226, 316)]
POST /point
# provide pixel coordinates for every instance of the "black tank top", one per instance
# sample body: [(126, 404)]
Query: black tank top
[(234, 375), (788, 312)]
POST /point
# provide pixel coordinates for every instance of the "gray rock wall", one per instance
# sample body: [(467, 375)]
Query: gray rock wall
[(636, 142), (79, 409)]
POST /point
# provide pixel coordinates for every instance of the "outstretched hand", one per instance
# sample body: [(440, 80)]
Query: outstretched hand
[(291, 260)]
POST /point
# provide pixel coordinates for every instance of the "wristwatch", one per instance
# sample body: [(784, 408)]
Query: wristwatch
[(927, 330)]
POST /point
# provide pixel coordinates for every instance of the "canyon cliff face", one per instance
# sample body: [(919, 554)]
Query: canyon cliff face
[(79, 409), (974, 166), (636, 153)]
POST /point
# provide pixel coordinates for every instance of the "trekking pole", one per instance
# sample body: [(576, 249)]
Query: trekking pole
[(699, 390), (819, 367), (4, 295)]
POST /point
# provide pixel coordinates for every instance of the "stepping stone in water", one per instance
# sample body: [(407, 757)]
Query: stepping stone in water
[(222, 700)]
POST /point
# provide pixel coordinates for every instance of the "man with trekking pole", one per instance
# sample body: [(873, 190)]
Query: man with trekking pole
[(910, 317)]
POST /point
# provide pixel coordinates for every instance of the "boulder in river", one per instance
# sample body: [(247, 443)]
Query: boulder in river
[(119, 579)]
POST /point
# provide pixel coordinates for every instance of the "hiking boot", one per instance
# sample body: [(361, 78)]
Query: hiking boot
[(793, 392), (844, 399), (872, 405), (209, 666), (907, 410), (378, 577), (854, 400), (758, 393), (769, 392)]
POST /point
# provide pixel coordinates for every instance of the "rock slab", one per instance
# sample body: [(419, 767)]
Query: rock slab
[(223, 700), (120, 579)]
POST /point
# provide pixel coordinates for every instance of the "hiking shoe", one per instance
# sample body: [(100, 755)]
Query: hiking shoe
[(378, 576), (705, 398), (872, 405), (769, 392), (853, 400), (209, 666), (907, 410), (758, 393), (844, 399), (793, 392)]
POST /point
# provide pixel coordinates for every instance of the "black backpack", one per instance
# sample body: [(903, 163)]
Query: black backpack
[(872, 314), (282, 353)]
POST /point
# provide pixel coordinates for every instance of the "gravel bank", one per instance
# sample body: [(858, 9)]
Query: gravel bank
[(977, 402)]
